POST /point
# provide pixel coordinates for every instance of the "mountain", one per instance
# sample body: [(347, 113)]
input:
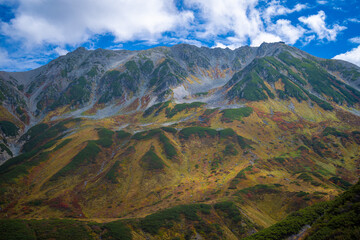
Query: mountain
[(211, 140)]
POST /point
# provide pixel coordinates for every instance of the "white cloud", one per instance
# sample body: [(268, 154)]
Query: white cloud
[(116, 46), (264, 37), (352, 56), (244, 21), (276, 9), (308, 39), (60, 51), (355, 40), (72, 22), (354, 20), (11, 64), (53, 26), (286, 31), (226, 16), (322, 2), (317, 24)]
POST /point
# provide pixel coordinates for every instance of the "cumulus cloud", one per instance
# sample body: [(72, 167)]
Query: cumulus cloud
[(60, 51), (286, 31), (234, 22), (72, 22), (355, 40), (275, 8), (244, 21), (221, 17), (264, 37), (317, 24), (352, 56)]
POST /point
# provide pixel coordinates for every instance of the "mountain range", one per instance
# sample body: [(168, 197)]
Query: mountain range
[(178, 142)]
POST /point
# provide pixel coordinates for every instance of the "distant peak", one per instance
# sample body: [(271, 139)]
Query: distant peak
[(80, 49), (272, 44)]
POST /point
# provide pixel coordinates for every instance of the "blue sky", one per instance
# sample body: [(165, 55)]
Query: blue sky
[(33, 32)]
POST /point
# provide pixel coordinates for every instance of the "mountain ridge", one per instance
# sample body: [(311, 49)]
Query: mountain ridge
[(106, 134), (38, 99)]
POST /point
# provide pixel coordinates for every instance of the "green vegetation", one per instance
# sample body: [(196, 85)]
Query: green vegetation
[(59, 229), (168, 72), (230, 210), (259, 189), (336, 219), (315, 144), (169, 129), (166, 218), (323, 104), (229, 115), (38, 136), (19, 165), (227, 132), (116, 82), (202, 132), (117, 231), (241, 174), (292, 224), (8, 128), (115, 88), (201, 94), (132, 67), (122, 134), (170, 150), (341, 220), (146, 135), (230, 150), (8, 170), (199, 131), (158, 107), (78, 92), (319, 79), (151, 161), (242, 142), (251, 91), (3, 148), (305, 177), (105, 137), (112, 174), (87, 155), (340, 182), (12, 229), (332, 131), (62, 144), (34, 131), (147, 67), (293, 91), (93, 72), (181, 107)]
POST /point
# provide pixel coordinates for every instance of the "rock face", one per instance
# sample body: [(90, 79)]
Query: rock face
[(84, 78), (123, 134)]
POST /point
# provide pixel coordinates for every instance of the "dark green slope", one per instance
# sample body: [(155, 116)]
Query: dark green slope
[(336, 219)]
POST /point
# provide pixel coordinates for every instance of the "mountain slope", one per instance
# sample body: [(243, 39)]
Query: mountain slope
[(119, 134)]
